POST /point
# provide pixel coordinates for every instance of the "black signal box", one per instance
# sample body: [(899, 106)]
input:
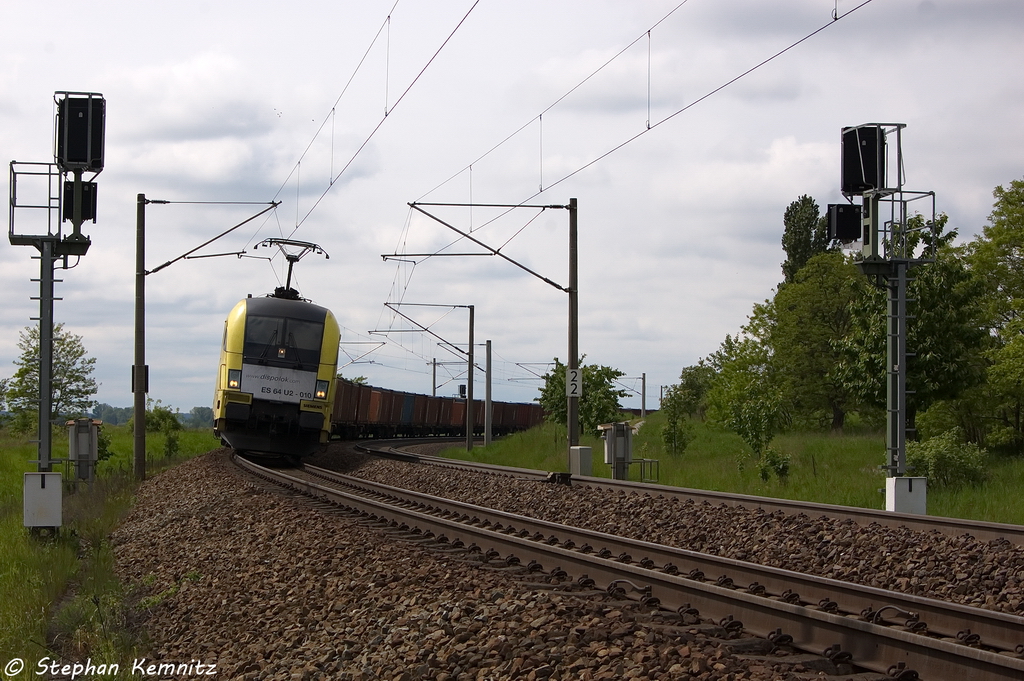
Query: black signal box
[(844, 222), (81, 122), (88, 201), (863, 159)]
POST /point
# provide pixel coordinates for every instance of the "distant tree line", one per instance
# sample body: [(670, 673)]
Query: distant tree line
[(197, 417), (814, 354)]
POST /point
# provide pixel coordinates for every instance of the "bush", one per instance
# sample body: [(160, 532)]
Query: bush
[(102, 445), (171, 447), (773, 461), (946, 460), (677, 435)]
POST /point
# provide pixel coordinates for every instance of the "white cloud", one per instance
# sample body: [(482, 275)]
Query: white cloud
[(679, 230)]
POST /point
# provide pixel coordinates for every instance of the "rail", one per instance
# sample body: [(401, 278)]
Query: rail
[(955, 527), (893, 632)]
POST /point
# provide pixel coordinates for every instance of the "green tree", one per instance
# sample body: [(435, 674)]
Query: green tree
[(997, 259), (1006, 388), (813, 313), (72, 385), (677, 433), (693, 386), (805, 234), (160, 419), (201, 417), (113, 416), (599, 402), (997, 256), (747, 393), (945, 331)]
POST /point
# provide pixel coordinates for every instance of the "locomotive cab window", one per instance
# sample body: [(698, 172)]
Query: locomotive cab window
[(275, 340)]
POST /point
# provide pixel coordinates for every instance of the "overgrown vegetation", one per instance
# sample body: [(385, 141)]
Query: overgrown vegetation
[(813, 356), (823, 467), (58, 594), (946, 460)]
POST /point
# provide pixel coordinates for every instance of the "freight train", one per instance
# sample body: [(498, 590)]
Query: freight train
[(277, 393), (362, 411)]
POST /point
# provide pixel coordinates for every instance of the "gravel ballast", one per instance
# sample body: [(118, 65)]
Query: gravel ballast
[(268, 586), (960, 569)]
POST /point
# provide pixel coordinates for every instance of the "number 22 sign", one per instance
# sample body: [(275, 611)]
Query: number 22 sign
[(573, 383)]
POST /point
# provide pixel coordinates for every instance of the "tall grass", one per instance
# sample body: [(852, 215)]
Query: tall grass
[(825, 468), (61, 589)]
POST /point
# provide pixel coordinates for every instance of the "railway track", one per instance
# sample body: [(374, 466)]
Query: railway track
[(981, 530), (902, 635)]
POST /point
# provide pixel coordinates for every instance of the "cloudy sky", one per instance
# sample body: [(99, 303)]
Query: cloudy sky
[(679, 229)]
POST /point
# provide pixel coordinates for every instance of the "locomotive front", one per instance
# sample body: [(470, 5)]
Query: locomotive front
[(275, 387)]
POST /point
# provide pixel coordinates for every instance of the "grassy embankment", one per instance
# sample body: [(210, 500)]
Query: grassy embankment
[(63, 588), (823, 468)]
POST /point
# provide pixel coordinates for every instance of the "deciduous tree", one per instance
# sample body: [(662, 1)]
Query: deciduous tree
[(813, 314), (599, 402), (945, 333), (72, 386), (805, 235), (201, 417), (692, 389), (747, 395), (677, 433), (997, 259)]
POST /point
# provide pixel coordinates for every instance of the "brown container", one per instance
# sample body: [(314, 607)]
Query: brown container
[(373, 414), (346, 403), (432, 411), (458, 414), (419, 410), (363, 408)]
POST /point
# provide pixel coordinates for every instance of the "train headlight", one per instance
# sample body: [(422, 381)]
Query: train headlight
[(321, 390), (234, 379)]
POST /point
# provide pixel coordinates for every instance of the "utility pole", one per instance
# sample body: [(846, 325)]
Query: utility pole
[(573, 401), (643, 395), (140, 372), (469, 387), (487, 399), (572, 406)]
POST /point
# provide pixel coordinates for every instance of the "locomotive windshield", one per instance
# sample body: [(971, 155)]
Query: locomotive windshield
[(276, 340)]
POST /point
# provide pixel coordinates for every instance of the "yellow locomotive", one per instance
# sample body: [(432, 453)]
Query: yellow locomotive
[(276, 384)]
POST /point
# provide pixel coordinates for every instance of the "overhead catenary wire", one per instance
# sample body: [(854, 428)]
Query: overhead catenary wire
[(330, 115), (557, 101), (649, 125), (380, 123), (704, 97)]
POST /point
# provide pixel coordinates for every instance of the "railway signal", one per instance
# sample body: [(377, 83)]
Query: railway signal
[(78, 148), (881, 223)]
